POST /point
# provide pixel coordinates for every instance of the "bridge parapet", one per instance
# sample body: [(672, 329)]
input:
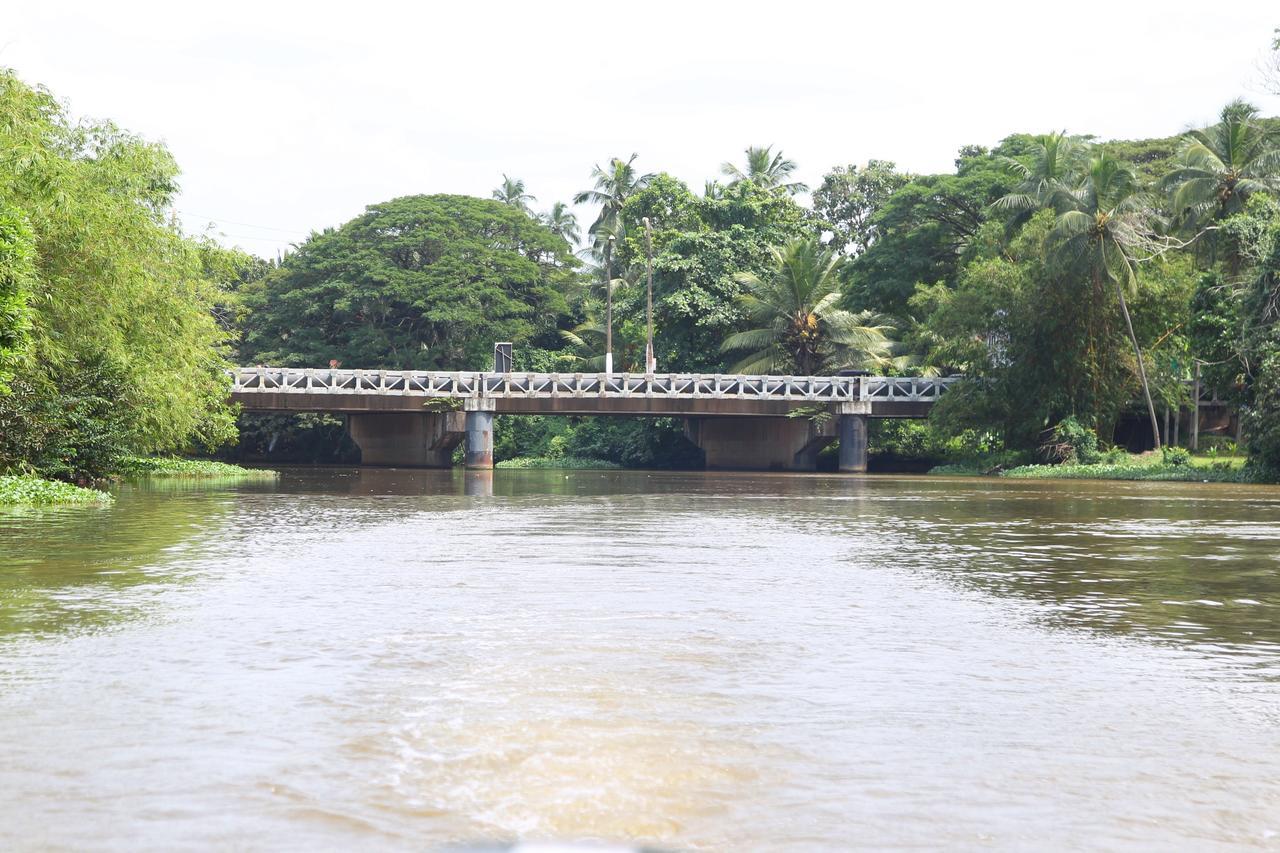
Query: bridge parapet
[(467, 384)]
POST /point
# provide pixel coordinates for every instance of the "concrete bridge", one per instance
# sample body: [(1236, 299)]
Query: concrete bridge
[(417, 418)]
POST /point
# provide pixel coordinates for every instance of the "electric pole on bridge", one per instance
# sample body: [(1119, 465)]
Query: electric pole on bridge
[(608, 311), (650, 363)]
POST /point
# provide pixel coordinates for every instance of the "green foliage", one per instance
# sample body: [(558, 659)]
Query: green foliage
[(567, 463), (28, 490), (634, 442), (168, 466), (1071, 442), (923, 230), (17, 268), (425, 282), (1175, 456), (1262, 419), (114, 289), (799, 328), (849, 198)]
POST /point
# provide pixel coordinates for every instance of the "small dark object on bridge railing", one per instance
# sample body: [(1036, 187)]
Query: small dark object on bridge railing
[(502, 358), (853, 372)]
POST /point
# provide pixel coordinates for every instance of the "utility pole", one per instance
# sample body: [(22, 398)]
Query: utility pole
[(608, 311), (650, 363)]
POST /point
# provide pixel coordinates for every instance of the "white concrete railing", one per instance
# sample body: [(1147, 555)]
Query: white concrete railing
[(462, 384)]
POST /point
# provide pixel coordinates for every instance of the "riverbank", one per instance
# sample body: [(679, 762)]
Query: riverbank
[(1146, 466)]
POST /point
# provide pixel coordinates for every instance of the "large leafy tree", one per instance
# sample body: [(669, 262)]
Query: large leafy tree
[(923, 230), (1221, 166), (118, 296), (416, 282), (849, 197), (612, 187), (1053, 163), (799, 327), (17, 252), (700, 245), (766, 169)]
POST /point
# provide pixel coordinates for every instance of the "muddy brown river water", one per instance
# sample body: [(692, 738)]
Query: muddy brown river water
[(392, 659)]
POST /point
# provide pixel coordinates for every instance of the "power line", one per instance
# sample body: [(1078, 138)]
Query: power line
[(234, 222)]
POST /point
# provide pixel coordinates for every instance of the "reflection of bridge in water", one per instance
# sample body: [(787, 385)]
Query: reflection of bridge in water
[(417, 418)]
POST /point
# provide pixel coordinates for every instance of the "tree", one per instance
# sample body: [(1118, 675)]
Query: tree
[(511, 192), (848, 199), (1055, 162), (1221, 166), (613, 186), (17, 268), (922, 232), (766, 169), (562, 222), (426, 282), (1100, 222), (118, 295), (799, 327)]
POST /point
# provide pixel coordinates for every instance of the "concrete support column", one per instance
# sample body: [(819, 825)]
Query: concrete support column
[(479, 448), (853, 443)]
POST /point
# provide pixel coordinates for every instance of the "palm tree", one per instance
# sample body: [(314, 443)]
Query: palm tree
[(765, 169), (562, 222), (1100, 222), (512, 192), (1221, 166), (799, 328), (1056, 161), (613, 186)]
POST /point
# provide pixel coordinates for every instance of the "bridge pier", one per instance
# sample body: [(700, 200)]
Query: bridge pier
[(406, 439), (853, 443), (479, 448)]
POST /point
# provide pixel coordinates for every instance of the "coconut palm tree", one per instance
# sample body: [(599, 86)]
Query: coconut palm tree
[(1221, 166), (512, 192), (765, 169), (613, 186), (800, 330), (1100, 222), (562, 222), (1056, 161)]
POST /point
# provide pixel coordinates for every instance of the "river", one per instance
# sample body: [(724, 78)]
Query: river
[(394, 659)]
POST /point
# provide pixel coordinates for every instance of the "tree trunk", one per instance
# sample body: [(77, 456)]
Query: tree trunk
[(1142, 370)]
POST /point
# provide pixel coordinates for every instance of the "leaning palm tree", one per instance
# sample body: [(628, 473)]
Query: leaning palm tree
[(800, 329), (613, 186), (1056, 161), (511, 192), (1221, 166), (562, 222), (765, 169), (1101, 221)]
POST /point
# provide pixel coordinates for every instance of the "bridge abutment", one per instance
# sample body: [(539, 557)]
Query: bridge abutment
[(406, 439)]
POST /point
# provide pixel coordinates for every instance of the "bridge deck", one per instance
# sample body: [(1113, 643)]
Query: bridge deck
[(304, 389)]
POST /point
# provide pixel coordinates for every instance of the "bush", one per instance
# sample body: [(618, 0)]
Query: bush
[(564, 462), (1176, 456), (1071, 442), (1262, 419)]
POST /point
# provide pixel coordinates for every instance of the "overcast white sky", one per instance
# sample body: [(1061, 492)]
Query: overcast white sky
[(292, 117)]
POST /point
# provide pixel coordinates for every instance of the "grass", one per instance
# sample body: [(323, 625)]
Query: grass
[(1145, 466), (168, 466), (562, 463), (28, 490)]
